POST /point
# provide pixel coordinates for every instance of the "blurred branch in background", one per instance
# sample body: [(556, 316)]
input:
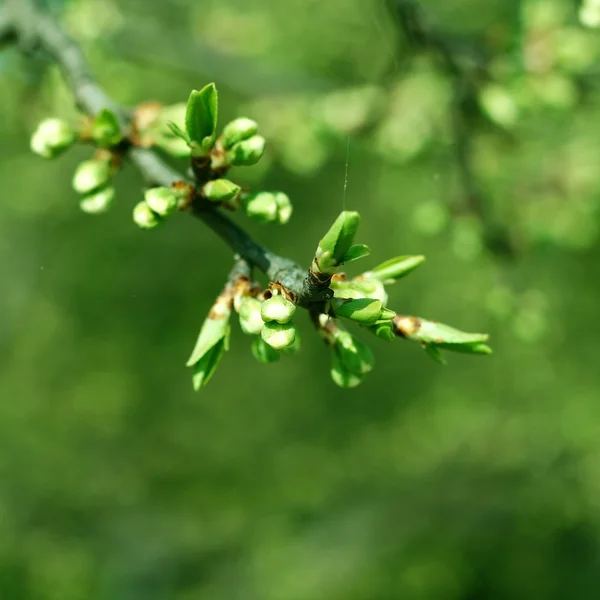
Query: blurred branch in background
[(464, 71)]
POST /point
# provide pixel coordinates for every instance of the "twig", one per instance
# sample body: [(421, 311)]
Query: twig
[(26, 24)]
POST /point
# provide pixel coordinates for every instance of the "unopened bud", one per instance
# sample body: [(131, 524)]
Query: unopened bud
[(51, 137), (284, 208), (98, 202), (278, 335), (161, 200), (251, 320), (105, 129), (237, 131), (261, 206), (91, 175), (144, 217), (277, 308), (247, 152), (220, 190)]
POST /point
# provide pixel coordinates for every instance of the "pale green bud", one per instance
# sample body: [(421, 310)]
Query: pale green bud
[(144, 217), (91, 175), (284, 208), (237, 131), (51, 137), (161, 200), (355, 357), (251, 320), (263, 353), (220, 190), (365, 311), (278, 335), (261, 206), (277, 308), (98, 202), (247, 152), (589, 13), (294, 347)]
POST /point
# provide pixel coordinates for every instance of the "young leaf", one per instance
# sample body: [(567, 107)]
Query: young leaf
[(365, 311), (395, 268), (355, 252), (201, 117), (178, 132), (205, 368)]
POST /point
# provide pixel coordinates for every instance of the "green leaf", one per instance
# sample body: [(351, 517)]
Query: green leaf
[(365, 311), (178, 132), (396, 268), (355, 252), (342, 377), (201, 117), (205, 368), (434, 353), (212, 331), (355, 357), (336, 243), (383, 330), (106, 130)]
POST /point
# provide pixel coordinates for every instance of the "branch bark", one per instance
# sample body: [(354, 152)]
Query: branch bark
[(22, 21)]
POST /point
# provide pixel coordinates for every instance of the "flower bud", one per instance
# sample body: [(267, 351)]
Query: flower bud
[(355, 357), (294, 347), (284, 208), (91, 175), (261, 206), (278, 335), (98, 202), (237, 131), (161, 200), (220, 190), (365, 311), (247, 152), (51, 137), (144, 217), (251, 320), (263, 353), (278, 309)]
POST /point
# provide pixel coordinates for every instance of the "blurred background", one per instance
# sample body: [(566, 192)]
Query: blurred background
[(470, 132)]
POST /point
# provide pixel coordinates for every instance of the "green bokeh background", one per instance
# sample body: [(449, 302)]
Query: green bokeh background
[(117, 482)]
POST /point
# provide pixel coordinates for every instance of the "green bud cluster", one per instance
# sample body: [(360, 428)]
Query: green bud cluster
[(159, 203), (278, 331), (92, 180)]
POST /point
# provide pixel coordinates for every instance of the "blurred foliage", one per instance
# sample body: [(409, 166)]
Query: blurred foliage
[(479, 480)]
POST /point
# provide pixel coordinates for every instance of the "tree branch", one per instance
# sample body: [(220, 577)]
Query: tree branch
[(24, 22)]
